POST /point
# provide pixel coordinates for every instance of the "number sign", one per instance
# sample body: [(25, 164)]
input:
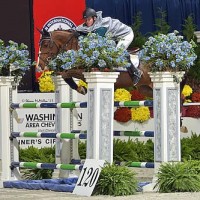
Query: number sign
[(88, 177)]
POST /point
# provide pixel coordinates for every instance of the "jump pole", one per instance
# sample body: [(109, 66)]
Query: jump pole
[(66, 149)]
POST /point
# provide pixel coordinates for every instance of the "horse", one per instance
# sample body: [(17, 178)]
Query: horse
[(54, 42)]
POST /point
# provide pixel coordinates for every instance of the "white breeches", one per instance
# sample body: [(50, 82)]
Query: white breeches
[(126, 40)]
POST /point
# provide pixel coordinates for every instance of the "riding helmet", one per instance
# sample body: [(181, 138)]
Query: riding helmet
[(89, 12)]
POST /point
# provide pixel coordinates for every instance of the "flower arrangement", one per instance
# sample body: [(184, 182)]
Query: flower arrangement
[(193, 111), (123, 114), (94, 52), (14, 59), (187, 91), (195, 97), (168, 53), (190, 96), (46, 84), (135, 95), (140, 114), (121, 94)]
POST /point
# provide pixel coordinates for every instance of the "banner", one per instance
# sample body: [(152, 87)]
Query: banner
[(36, 120), (51, 15)]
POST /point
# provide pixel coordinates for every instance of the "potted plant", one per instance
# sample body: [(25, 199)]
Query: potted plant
[(14, 59), (95, 52), (168, 53)]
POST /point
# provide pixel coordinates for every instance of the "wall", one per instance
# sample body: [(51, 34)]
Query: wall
[(177, 11)]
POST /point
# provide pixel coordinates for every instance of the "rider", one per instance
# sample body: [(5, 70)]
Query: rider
[(123, 34)]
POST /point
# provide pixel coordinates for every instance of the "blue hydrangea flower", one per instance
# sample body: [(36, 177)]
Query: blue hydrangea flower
[(14, 59), (163, 52), (94, 52)]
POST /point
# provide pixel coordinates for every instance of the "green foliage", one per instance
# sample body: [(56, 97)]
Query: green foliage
[(188, 32), (139, 39), (144, 150), (195, 164), (82, 149), (161, 24), (189, 28), (43, 155), (179, 177), (194, 72), (116, 181), (190, 147), (124, 151), (136, 150)]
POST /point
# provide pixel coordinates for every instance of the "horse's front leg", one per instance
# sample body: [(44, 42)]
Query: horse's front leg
[(68, 78)]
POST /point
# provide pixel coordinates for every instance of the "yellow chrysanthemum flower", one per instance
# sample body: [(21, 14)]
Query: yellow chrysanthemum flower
[(187, 91), (140, 114), (187, 101), (46, 83), (122, 95)]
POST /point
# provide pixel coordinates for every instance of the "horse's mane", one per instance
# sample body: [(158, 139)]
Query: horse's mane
[(46, 33), (64, 30)]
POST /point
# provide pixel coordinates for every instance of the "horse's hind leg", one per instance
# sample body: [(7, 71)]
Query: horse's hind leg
[(73, 73)]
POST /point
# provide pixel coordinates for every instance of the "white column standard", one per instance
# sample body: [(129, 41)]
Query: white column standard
[(5, 129), (100, 115), (166, 107)]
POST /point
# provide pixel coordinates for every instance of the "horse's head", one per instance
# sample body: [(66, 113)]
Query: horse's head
[(51, 43)]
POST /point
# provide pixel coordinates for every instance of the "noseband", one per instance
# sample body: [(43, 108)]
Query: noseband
[(50, 54)]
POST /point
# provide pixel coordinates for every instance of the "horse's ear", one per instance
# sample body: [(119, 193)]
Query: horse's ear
[(45, 32), (40, 31)]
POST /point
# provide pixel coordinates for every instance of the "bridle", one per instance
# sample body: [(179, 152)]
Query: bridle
[(50, 54), (51, 43)]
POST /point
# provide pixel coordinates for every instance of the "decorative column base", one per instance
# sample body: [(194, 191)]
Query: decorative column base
[(100, 115), (166, 96)]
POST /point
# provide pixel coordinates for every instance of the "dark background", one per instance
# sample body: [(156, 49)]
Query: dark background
[(16, 23), (125, 10)]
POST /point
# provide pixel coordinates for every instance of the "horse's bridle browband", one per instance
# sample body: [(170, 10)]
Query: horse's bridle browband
[(52, 55)]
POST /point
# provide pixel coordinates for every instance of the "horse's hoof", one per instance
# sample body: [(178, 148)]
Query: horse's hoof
[(184, 129), (82, 90)]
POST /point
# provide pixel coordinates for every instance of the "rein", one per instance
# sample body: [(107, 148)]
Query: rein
[(50, 54), (67, 42)]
